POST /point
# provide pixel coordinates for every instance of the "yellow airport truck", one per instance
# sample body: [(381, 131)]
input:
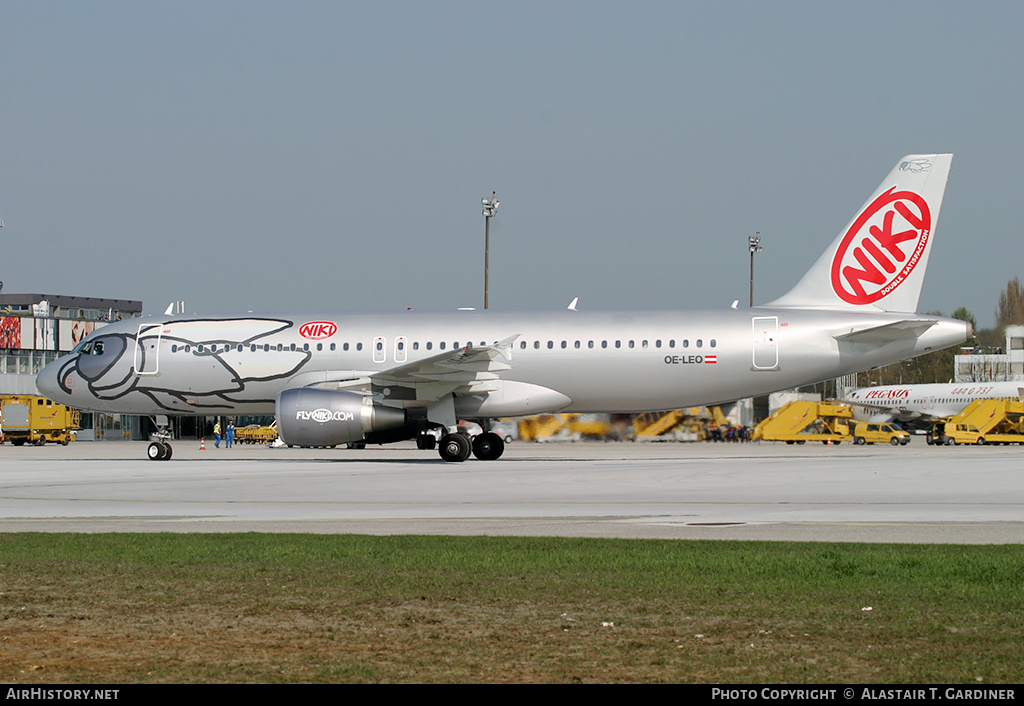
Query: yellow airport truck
[(801, 421), (985, 422), (875, 433), (28, 419)]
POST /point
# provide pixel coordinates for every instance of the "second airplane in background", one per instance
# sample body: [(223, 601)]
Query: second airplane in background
[(909, 403)]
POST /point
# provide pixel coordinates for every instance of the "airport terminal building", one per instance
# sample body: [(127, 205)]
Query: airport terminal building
[(35, 329)]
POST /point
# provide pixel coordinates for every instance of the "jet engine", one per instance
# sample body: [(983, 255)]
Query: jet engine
[(311, 417)]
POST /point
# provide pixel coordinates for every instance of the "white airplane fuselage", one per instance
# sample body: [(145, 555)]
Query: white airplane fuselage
[(600, 361)]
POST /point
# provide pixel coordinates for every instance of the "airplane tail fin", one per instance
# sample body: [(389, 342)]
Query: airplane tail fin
[(879, 259)]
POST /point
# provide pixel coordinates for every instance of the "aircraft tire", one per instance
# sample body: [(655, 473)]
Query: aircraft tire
[(488, 446), (155, 451), (455, 448)]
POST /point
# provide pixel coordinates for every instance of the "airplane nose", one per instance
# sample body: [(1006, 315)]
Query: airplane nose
[(46, 381)]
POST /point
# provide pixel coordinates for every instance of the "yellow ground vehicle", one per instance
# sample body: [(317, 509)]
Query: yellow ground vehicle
[(986, 422), (36, 420), (803, 420), (564, 427), (873, 433), (255, 434)]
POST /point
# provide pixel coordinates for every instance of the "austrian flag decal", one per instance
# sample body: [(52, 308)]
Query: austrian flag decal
[(882, 247)]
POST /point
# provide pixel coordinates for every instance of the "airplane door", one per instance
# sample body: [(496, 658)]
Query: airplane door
[(147, 350), (766, 342)]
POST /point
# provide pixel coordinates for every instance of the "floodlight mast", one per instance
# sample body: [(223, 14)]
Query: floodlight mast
[(490, 209), (753, 242)]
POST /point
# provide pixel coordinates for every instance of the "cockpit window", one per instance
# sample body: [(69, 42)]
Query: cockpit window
[(97, 348)]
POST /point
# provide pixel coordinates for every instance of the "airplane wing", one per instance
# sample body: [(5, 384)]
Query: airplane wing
[(468, 370), (887, 333)]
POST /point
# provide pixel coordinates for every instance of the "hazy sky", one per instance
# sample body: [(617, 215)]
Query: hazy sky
[(332, 155)]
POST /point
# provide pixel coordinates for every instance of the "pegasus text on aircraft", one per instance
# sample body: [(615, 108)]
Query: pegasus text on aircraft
[(333, 379)]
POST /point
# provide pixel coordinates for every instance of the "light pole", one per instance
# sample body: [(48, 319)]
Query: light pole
[(754, 243), (490, 209)]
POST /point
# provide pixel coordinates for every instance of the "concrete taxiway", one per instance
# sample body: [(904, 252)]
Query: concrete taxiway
[(757, 491)]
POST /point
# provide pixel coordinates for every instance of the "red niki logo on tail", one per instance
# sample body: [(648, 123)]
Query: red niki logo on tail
[(882, 247)]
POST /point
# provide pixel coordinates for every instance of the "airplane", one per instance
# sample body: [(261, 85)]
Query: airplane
[(933, 401), (378, 378)]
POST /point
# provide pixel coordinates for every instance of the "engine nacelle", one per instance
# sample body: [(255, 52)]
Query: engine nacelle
[(311, 417)]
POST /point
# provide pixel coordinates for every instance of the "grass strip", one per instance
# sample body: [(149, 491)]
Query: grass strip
[(269, 608)]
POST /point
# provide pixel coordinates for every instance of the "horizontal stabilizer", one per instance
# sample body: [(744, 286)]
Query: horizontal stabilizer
[(887, 333)]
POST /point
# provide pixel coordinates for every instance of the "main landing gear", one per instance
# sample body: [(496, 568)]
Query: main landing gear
[(159, 451), (457, 447)]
